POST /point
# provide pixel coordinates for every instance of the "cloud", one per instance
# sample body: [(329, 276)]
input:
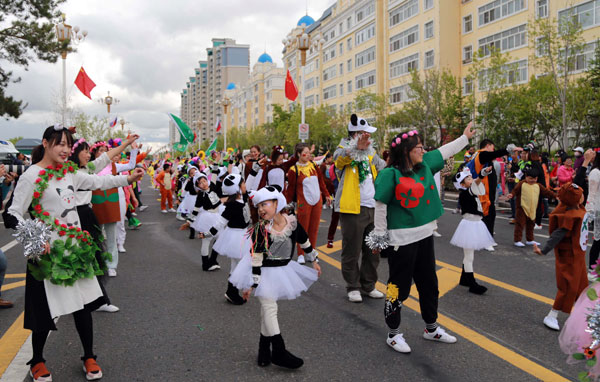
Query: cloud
[(143, 53)]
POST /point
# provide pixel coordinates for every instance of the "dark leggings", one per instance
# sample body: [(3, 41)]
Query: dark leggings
[(594, 252), (85, 328)]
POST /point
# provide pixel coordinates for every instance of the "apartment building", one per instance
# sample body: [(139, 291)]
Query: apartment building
[(375, 44)]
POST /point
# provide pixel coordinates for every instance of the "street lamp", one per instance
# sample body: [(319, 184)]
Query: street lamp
[(108, 100), (122, 122), (225, 102), (66, 35)]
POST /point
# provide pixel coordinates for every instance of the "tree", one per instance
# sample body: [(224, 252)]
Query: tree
[(15, 140), (557, 44), (378, 108), (27, 33), (591, 135), (94, 129)]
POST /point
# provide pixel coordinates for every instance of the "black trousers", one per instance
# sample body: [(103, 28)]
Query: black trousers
[(410, 262), (490, 219)]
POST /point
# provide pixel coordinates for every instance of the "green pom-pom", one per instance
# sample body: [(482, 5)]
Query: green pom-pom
[(592, 295), (579, 356), (591, 362)]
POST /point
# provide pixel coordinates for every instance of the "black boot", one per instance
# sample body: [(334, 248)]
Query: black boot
[(264, 351), (473, 286), (192, 233), (233, 295), (463, 278), (213, 265), (281, 357), (205, 263)]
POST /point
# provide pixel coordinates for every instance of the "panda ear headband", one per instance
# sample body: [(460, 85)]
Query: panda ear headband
[(269, 193), (231, 184), (459, 177), (360, 124)]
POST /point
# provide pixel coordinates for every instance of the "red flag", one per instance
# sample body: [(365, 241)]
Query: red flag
[(291, 91), (218, 125), (84, 83)]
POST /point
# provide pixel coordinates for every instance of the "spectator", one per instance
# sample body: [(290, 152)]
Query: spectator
[(578, 153), (565, 171)]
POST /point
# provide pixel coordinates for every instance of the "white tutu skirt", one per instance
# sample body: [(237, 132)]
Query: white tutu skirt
[(187, 204), (276, 283), (472, 234), (207, 219), (233, 243)]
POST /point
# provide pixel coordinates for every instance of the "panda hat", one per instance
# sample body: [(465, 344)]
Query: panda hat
[(197, 176), (269, 193), (360, 124), (460, 176), (231, 184)]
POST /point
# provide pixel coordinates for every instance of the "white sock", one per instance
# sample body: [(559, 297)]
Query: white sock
[(468, 256), (553, 313)]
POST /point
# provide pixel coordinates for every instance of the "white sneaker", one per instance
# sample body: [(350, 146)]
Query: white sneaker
[(133, 214), (456, 211), (436, 234), (532, 242), (214, 267), (142, 208), (108, 308), (301, 259), (398, 344), (375, 294), (551, 322), (172, 210), (164, 211), (354, 296), (490, 248), (121, 249), (537, 227), (439, 335), (495, 245), (179, 217), (519, 244), (112, 272)]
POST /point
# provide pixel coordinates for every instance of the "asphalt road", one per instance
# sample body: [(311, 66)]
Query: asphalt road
[(175, 325)]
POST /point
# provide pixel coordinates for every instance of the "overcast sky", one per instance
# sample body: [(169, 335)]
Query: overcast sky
[(143, 52)]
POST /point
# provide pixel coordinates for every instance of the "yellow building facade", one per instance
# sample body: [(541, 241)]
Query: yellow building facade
[(375, 44)]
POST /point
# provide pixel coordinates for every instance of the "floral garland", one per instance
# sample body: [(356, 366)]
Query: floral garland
[(363, 169), (71, 259)]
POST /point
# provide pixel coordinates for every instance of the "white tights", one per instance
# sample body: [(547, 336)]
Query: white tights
[(468, 257), (268, 317), (205, 247)]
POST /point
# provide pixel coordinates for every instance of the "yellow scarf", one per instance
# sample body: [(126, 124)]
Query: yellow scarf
[(530, 194)]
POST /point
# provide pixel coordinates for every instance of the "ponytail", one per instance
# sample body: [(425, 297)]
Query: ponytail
[(37, 154)]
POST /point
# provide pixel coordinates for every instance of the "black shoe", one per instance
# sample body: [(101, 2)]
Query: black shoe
[(264, 351), (474, 287), (213, 265), (192, 233), (205, 263), (463, 278), (233, 295), (281, 357)]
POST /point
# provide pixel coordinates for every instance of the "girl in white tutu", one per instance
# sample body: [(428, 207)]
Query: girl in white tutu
[(270, 271), (207, 210), (471, 234), (233, 241), (189, 196)]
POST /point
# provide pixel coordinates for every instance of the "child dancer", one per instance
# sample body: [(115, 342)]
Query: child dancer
[(471, 234), (271, 272), (233, 242), (208, 208), (189, 196)]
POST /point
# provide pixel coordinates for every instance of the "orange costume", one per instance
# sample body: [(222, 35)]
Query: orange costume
[(307, 188), (105, 203), (166, 192)]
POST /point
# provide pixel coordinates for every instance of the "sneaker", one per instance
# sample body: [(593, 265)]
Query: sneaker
[(511, 221), (179, 217), (551, 322), (354, 296), (398, 343), (301, 259), (436, 234), (39, 373), (490, 248), (495, 244), (4, 304), (164, 211), (519, 244), (172, 210), (143, 208), (375, 294), (92, 370), (112, 272), (108, 308), (532, 242), (329, 243), (121, 249), (537, 227), (439, 335), (214, 267), (456, 211), (133, 214)]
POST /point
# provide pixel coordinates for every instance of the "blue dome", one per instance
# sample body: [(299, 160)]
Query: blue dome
[(306, 20), (230, 86), (265, 58)]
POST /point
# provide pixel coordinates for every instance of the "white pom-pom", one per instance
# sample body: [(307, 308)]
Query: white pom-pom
[(375, 241), (34, 235)]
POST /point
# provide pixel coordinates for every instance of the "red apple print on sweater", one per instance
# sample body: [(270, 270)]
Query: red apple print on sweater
[(409, 191)]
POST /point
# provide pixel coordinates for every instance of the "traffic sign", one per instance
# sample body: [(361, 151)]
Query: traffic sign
[(303, 130)]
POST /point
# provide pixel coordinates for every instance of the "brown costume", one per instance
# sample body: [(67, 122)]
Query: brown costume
[(521, 218), (571, 276)]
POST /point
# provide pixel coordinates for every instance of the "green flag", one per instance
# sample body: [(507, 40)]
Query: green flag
[(213, 146), (184, 131)]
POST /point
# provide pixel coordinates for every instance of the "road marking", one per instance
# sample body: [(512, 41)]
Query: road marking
[(11, 342), (13, 285), (9, 246), (14, 275), (483, 342)]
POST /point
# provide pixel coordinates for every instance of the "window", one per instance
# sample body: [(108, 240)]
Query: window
[(467, 85), (428, 4), (348, 23), (404, 65), (404, 12), (349, 87), (582, 59), (341, 89), (349, 65), (429, 29), (404, 38), (309, 101), (341, 68), (467, 54), (400, 94), (541, 46), (541, 8), (329, 92), (365, 12), (329, 73), (365, 80), (341, 28), (513, 73), (467, 24), (365, 34), (349, 44), (509, 39), (499, 9), (586, 14), (364, 57), (329, 54), (309, 84), (429, 59)]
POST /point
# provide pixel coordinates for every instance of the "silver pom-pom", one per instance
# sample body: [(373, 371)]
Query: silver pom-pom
[(593, 325), (34, 235), (375, 241)]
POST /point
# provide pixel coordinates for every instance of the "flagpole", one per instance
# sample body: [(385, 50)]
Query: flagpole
[(302, 95), (64, 87)]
